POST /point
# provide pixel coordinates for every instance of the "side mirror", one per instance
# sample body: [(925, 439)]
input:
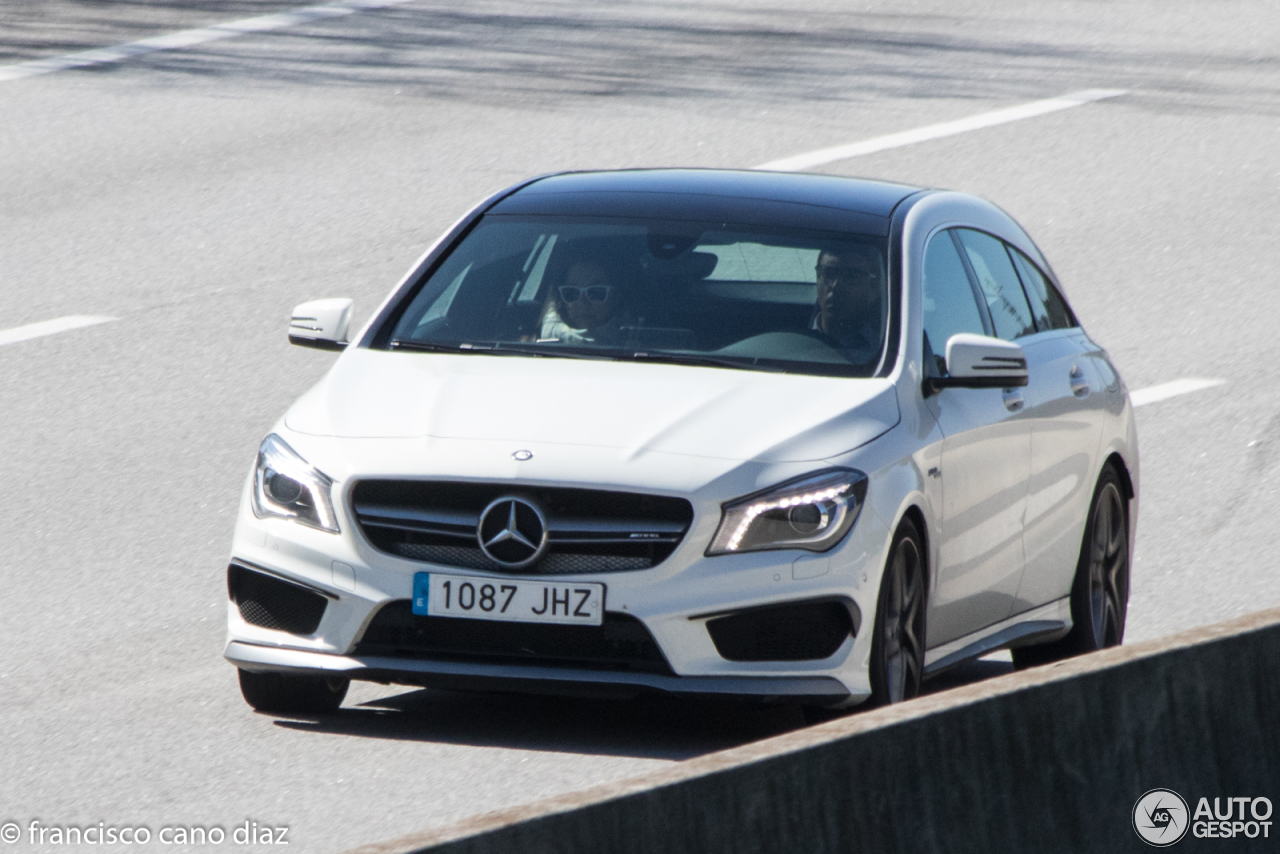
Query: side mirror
[(321, 323), (978, 361)]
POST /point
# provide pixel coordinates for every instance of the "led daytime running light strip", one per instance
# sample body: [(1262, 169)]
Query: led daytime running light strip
[(755, 510)]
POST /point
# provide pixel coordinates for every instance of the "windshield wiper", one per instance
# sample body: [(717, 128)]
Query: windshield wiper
[(702, 360), (428, 346), (554, 352), (498, 348)]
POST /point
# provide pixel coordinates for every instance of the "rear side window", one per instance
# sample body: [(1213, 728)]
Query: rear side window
[(950, 306), (1010, 313), (1047, 304)]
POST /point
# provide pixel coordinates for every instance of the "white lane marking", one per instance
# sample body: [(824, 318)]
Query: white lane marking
[(50, 327), (938, 131), (1164, 391), (188, 38)]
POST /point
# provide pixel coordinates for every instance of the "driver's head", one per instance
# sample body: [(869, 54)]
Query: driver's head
[(850, 283), (587, 298)]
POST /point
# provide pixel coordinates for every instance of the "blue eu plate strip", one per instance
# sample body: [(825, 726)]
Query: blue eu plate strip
[(421, 590)]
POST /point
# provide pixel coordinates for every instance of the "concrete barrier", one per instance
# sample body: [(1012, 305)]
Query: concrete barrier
[(1050, 759)]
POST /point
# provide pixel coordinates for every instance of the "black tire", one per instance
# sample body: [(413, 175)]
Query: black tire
[(1100, 592), (288, 694), (897, 648)]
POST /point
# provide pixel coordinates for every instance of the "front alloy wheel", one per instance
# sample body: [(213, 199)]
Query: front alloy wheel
[(897, 649), (287, 693)]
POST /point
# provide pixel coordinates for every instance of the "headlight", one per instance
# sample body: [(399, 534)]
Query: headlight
[(813, 512), (286, 485)]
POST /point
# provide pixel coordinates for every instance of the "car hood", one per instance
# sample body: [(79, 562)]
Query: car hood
[(632, 408)]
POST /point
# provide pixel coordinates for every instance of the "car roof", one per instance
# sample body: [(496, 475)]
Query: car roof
[(779, 199)]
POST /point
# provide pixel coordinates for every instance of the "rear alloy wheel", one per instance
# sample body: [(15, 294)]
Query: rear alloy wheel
[(284, 693), (897, 648), (1100, 593)]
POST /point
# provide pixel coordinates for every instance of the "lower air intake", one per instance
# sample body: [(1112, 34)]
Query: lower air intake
[(802, 631), (274, 603)]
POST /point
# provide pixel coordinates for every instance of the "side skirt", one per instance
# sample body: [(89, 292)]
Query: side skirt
[(1046, 623)]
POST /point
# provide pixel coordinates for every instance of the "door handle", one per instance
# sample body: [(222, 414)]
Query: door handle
[(1079, 385), (1013, 399)]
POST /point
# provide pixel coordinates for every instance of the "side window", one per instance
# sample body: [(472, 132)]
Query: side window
[(949, 302), (1050, 308), (1010, 312)]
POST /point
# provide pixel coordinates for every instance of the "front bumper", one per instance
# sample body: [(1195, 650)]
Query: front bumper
[(674, 600)]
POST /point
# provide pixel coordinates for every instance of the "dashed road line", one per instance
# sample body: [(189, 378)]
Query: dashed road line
[(51, 327), (189, 38), (1029, 110), (1164, 391)]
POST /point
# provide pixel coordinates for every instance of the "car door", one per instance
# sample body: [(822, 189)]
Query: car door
[(985, 460), (1065, 404)]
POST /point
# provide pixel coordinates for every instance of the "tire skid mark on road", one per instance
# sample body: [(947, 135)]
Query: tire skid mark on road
[(51, 327), (800, 162), (188, 38)]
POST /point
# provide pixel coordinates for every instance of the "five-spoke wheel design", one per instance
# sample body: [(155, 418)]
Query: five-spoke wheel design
[(1100, 593), (1108, 568), (897, 650)]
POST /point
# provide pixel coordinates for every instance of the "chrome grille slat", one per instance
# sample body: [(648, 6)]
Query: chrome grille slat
[(621, 527), (561, 538), (587, 530)]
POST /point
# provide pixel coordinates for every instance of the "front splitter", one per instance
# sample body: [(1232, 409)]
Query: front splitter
[(481, 676)]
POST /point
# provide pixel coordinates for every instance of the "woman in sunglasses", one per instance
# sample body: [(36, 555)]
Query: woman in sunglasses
[(585, 307)]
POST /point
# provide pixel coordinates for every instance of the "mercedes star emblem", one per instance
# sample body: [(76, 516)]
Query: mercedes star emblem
[(512, 532), (522, 456)]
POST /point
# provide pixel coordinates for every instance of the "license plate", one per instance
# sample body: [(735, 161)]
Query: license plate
[(509, 600)]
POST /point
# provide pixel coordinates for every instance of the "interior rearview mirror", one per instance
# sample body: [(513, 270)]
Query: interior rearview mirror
[(321, 323), (979, 361)]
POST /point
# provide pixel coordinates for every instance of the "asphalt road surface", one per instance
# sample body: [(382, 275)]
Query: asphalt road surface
[(198, 194)]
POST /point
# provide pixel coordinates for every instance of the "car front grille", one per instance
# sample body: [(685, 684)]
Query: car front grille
[(588, 530), (621, 643)]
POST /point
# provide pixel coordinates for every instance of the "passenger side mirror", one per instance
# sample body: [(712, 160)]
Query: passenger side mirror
[(979, 361), (321, 323)]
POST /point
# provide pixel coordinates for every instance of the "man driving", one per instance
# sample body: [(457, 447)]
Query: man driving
[(849, 310)]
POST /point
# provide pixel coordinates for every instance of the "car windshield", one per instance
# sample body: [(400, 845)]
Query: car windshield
[(699, 293)]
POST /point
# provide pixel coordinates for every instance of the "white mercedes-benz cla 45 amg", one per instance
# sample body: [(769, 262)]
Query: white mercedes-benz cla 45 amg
[(790, 437)]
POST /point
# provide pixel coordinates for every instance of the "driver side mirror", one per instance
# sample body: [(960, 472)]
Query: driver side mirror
[(321, 323), (979, 361)]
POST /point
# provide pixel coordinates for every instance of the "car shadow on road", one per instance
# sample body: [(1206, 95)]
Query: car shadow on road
[(969, 672), (652, 727)]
